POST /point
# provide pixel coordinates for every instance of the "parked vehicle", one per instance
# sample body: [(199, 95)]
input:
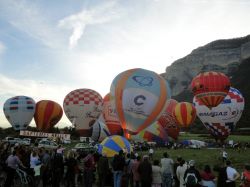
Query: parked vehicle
[(10, 140), (65, 141), (47, 144), (84, 147)]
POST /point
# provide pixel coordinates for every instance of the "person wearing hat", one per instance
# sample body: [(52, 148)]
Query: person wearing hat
[(192, 176)]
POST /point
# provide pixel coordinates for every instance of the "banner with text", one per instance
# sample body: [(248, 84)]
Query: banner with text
[(44, 134)]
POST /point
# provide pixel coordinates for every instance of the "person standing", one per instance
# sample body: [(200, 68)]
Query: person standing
[(157, 180), (89, 166), (180, 172), (12, 163), (145, 171), (192, 176), (118, 165), (136, 175), (224, 156), (207, 177), (102, 169), (167, 170), (232, 175), (245, 177), (151, 153)]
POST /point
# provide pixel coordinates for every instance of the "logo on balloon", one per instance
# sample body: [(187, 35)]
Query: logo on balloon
[(143, 81), (138, 100)]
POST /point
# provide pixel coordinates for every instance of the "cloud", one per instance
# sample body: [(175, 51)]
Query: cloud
[(78, 22), (29, 18), (36, 89)]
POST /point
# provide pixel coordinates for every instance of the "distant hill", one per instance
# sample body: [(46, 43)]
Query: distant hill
[(231, 57)]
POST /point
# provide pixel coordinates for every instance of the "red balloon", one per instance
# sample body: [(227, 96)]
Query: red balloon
[(210, 88), (168, 122)]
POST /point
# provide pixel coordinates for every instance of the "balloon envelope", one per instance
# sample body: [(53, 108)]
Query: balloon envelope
[(19, 111), (100, 130), (168, 122), (113, 144), (110, 116), (184, 114), (221, 120), (83, 107), (153, 133), (140, 96), (48, 114), (210, 88)]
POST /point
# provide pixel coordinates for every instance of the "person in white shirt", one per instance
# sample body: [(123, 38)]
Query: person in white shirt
[(232, 175), (156, 174), (224, 156), (167, 170), (151, 152), (180, 172)]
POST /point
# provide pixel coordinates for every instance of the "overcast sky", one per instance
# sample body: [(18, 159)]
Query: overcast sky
[(49, 48)]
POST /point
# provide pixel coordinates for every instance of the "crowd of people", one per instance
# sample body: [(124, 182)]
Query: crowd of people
[(60, 168)]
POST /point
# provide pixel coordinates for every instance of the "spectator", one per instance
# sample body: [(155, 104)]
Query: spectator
[(12, 163), (175, 178), (136, 175), (102, 169), (245, 177), (224, 155), (167, 170), (70, 163), (157, 180), (145, 171), (207, 177), (180, 172), (232, 175), (118, 167), (89, 166), (151, 153), (192, 176)]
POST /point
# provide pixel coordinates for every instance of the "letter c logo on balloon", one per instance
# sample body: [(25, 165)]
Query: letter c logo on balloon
[(138, 100)]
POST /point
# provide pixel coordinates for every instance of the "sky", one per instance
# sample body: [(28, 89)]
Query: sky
[(49, 48)]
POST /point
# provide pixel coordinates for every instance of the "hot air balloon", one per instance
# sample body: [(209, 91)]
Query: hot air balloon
[(184, 114), (48, 114), (140, 96), (210, 88), (19, 111), (111, 146), (168, 122), (110, 116), (83, 107), (153, 133), (100, 130), (221, 120)]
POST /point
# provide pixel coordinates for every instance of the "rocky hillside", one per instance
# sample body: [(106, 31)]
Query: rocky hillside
[(231, 57), (221, 55)]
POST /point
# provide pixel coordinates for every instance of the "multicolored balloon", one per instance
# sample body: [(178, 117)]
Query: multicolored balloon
[(48, 114), (140, 97), (210, 88), (83, 107), (221, 120), (110, 116), (184, 114), (111, 146), (153, 133), (100, 130), (19, 111), (168, 122)]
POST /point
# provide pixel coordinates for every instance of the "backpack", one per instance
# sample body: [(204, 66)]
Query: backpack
[(191, 179)]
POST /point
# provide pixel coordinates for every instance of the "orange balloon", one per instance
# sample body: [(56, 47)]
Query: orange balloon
[(185, 114), (48, 114)]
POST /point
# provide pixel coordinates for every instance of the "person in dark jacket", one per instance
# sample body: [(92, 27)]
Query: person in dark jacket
[(145, 171), (102, 169), (192, 176), (118, 165)]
